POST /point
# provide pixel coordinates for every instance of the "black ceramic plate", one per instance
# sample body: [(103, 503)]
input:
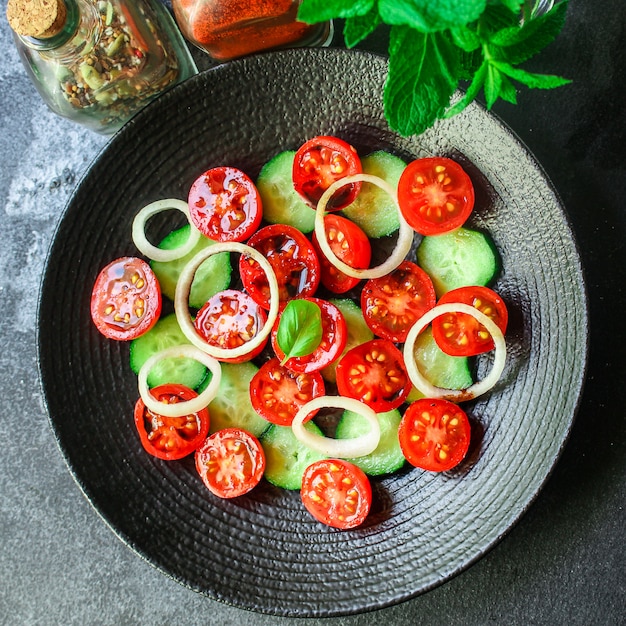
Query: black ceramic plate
[(263, 551)]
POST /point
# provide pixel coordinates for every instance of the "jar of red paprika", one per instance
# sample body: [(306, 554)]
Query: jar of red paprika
[(227, 29)]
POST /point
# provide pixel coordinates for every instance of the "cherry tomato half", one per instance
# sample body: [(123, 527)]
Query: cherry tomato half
[(230, 319), (350, 245), (321, 161), (336, 493), (231, 462), (224, 204), (126, 299), (293, 259), (459, 334), (334, 337), (374, 373), (434, 434), (278, 393), (171, 438), (392, 303), (435, 195)]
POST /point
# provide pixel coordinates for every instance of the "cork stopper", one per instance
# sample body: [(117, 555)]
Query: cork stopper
[(36, 18)]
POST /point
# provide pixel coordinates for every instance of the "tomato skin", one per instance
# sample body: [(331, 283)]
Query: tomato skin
[(459, 334), (171, 438), (277, 393), (293, 259), (336, 493), (374, 373), (391, 304), (126, 299), (320, 162), (350, 245), (434, 434), (435, 195), (225, 205), (228, 320), (230, 462), (334, 337)]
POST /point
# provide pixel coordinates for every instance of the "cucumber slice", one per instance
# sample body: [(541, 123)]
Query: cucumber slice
[(164, 334), (286, 458), (232, 407), (458, 258), (373, 210), (387, 457), (441, 369), (211, 277), (281, 202), (358, 332)]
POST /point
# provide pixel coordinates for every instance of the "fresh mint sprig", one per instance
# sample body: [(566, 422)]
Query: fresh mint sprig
[(437, 46)]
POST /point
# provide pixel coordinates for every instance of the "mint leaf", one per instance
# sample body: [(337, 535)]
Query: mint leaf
[(430, 15), (312, 11), (508, 91), (299, 329), (513, 5), (359, 27), (493, 82), (534, 81), (465, 38), (472, 91)]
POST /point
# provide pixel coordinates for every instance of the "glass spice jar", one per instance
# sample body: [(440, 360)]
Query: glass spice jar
[(97, 62), (227, 29)]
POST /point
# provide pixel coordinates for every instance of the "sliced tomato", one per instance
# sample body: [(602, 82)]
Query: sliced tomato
[(277, 393), (435, 195), (171, 438), (391, 304), (320, 162), (374, 373), (459, 334), (224, 204), (336, 493), (293, 259), (350, 245), (230, 319), (434, 434), (126, 299), (334, 337), (231, 462)]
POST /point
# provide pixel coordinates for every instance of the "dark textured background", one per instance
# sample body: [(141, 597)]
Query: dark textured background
[(564, 561)]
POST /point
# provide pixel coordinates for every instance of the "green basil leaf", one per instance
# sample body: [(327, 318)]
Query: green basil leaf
[(430, 16), (299, 329), (423, 73), (312, 11), (357, 28)]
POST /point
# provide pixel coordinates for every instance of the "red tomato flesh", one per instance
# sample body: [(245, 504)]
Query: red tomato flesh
[(171, 438), (224, 204), (231, 462), (336, 493), (230, 319), (320, 162), (374, 373), (350, 245), (277, 393), (126, 299), (391, 304), (293, 259), (435, 195), (434, 434), (459, 334)]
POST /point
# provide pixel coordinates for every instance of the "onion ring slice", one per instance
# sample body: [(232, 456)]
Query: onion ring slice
[(340, 448), (403, 243), (185, 407), (139, 231), (455, 395), (181, 300)]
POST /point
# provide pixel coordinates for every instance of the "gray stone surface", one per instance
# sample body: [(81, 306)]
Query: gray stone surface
[(563, 563)]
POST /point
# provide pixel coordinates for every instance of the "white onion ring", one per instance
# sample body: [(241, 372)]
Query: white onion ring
[(139, 231), (340, 448), (184, 407), (455, 395), (181, 300), (403, 243)]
